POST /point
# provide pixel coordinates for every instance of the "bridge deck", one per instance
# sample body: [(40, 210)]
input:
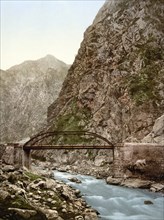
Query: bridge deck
[(65, 147)]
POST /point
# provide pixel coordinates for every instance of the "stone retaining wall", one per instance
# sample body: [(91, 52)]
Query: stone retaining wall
[(141, 159)]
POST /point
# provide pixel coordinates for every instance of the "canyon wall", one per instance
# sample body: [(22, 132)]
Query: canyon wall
[(115, 86)]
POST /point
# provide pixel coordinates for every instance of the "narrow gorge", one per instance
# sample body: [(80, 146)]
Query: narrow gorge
[(114, 90)]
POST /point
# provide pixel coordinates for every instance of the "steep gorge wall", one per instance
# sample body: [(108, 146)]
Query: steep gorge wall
[(115, 85)]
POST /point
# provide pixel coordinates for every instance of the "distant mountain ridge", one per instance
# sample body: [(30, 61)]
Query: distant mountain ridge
[(44, 63), (26, 91)]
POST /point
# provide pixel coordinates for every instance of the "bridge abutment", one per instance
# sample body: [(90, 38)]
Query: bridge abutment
[(18, 156), (118, 162), (22, 158), (27, 158), (128, 154)]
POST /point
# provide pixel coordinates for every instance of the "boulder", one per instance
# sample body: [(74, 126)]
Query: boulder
[(114, 181), (157, 187), (3, 194), (51, 214), (91, 215), (99, 161), (79, 217), (148, 202), (3, 177), (74, 179), (8, 168), (25, 213), (136, 183)]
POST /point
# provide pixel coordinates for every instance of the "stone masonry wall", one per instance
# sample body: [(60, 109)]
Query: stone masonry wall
[(140, 159)]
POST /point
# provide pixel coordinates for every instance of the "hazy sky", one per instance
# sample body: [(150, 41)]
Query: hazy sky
[(31, 29)]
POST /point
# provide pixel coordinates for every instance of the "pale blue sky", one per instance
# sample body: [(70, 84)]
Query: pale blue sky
[(33, 29)]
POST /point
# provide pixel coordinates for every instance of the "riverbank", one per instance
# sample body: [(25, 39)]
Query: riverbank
[(115, 202), (35, 195), (27, 195), (102, 172)]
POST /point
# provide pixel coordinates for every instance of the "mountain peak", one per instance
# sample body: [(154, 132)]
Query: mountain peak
[(28, 88), (49, 56), (44, 63)]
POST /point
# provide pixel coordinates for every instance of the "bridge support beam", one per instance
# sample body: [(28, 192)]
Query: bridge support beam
[(27, 158)]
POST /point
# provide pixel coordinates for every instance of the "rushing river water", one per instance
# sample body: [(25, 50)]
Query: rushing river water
[(115, 202)]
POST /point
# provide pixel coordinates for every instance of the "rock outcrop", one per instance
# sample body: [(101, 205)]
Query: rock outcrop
[(115, 85), (26, 90), (157, 133), (25, 195)]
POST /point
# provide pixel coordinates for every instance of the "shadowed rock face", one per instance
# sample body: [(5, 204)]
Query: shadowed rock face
[(26, 92), (115, 85), (157, 133)]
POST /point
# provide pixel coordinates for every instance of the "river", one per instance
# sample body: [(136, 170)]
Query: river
[(116, 202)]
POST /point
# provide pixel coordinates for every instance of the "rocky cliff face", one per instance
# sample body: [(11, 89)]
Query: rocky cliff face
[(115, 86), (26, 92)]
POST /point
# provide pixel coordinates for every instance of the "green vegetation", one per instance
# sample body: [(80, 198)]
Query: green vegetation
[(90, 153), (17, 202), (143, 85), (20, 203), (32, 176), (57, 198), (123, 5), (150, 54), (75, 120)]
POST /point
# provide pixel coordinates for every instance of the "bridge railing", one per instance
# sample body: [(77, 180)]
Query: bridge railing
[(40, 139)]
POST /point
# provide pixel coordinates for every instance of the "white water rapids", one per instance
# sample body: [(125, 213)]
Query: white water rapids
[(115, 202)]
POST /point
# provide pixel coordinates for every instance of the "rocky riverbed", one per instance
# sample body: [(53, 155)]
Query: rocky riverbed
[(26, 195), (35, 195), (116, 202), (102, 172)]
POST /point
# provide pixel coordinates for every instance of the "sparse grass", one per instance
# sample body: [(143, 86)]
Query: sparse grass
[(32, 176), (20, 203), (75, 120), (150, 54), (143, 85)]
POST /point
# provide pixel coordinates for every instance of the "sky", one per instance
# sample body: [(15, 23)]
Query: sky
[(31, 29)]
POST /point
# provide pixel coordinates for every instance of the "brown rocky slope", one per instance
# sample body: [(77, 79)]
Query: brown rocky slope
[(115, 85)]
